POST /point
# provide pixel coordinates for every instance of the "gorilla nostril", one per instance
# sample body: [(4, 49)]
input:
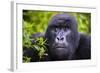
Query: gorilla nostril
[(62, 38), (57, 38)]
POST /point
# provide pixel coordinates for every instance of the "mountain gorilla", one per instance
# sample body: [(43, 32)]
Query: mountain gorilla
[(64, 42)]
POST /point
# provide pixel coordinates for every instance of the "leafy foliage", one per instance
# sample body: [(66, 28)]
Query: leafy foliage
[(40, 46), (26, 59)]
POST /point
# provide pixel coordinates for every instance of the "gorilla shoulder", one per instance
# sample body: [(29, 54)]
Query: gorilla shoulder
[(84, 49)]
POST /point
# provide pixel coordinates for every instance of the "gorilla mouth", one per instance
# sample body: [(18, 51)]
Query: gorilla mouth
[(60, 47)]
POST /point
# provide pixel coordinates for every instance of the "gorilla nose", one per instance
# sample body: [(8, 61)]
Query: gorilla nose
[(60, 38)]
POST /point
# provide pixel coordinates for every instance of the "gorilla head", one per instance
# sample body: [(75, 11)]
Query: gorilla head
[(62, 37)]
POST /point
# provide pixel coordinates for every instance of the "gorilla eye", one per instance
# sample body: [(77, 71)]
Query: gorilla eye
[(64, 28), (55, 29), (68, 27)]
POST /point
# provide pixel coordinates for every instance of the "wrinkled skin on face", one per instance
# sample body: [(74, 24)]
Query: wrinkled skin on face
[(62, 37)]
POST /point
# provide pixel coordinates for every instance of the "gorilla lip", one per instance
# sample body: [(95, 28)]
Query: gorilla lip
[(60, 47)]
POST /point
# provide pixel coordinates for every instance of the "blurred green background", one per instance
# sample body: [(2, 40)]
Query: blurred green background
[(37, 21)]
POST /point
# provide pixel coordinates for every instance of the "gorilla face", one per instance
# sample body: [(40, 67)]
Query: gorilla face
[(62, 37)]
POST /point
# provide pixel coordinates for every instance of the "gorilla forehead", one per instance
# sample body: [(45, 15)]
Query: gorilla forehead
[(63, 18)]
